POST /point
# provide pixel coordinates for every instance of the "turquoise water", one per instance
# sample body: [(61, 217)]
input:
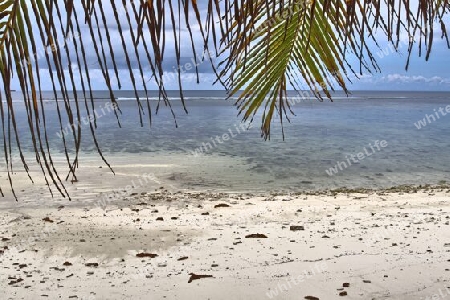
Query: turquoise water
[(317, 138)]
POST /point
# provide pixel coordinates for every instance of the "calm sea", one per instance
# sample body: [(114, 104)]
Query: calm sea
[(319, 137)]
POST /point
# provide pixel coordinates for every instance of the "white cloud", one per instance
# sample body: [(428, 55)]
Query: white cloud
[(398, 78)]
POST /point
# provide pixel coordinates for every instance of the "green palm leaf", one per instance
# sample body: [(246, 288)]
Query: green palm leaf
[(281, 42)]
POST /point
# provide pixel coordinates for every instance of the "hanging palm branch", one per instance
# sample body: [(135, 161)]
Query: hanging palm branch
[(265, 48)]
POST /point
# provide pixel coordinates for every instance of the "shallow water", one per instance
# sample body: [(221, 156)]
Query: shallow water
[(317, 138)]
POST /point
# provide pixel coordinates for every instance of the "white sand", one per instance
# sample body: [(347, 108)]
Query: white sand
[(398, 243)]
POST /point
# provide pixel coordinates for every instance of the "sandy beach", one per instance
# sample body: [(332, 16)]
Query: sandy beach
[(381, 244)]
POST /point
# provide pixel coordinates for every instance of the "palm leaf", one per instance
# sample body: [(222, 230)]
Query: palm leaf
[(265, 46), (284, 41)]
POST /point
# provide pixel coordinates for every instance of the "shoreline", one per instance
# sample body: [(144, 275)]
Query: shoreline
[(119, 196)]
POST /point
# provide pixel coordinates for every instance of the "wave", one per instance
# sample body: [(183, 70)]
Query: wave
[(171, 98)]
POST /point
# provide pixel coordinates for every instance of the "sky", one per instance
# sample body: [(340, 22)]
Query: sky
[(422, 75), (433, 74)]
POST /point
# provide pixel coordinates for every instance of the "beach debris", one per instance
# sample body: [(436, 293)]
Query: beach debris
[(196, 277), (256, 236), (367, 281), (183, 258), (221, 205), (47, 219), (15, 281), (93, 265), (67, 264), (142, 255), (346, 284), (159, 219), (296, 228), (344, 293), (205, 214), (311, 298)]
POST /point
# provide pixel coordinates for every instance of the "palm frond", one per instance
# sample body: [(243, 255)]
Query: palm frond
[(266, 47), (310, 43)]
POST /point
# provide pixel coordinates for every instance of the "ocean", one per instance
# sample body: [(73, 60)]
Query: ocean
[(368, 140)]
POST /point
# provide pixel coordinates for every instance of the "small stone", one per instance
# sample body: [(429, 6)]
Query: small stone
[(221, 205), (256, 236), (92, 265), (296, 228), (141, 255)]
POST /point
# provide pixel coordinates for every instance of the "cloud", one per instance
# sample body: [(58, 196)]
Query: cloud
[(398, 78)]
